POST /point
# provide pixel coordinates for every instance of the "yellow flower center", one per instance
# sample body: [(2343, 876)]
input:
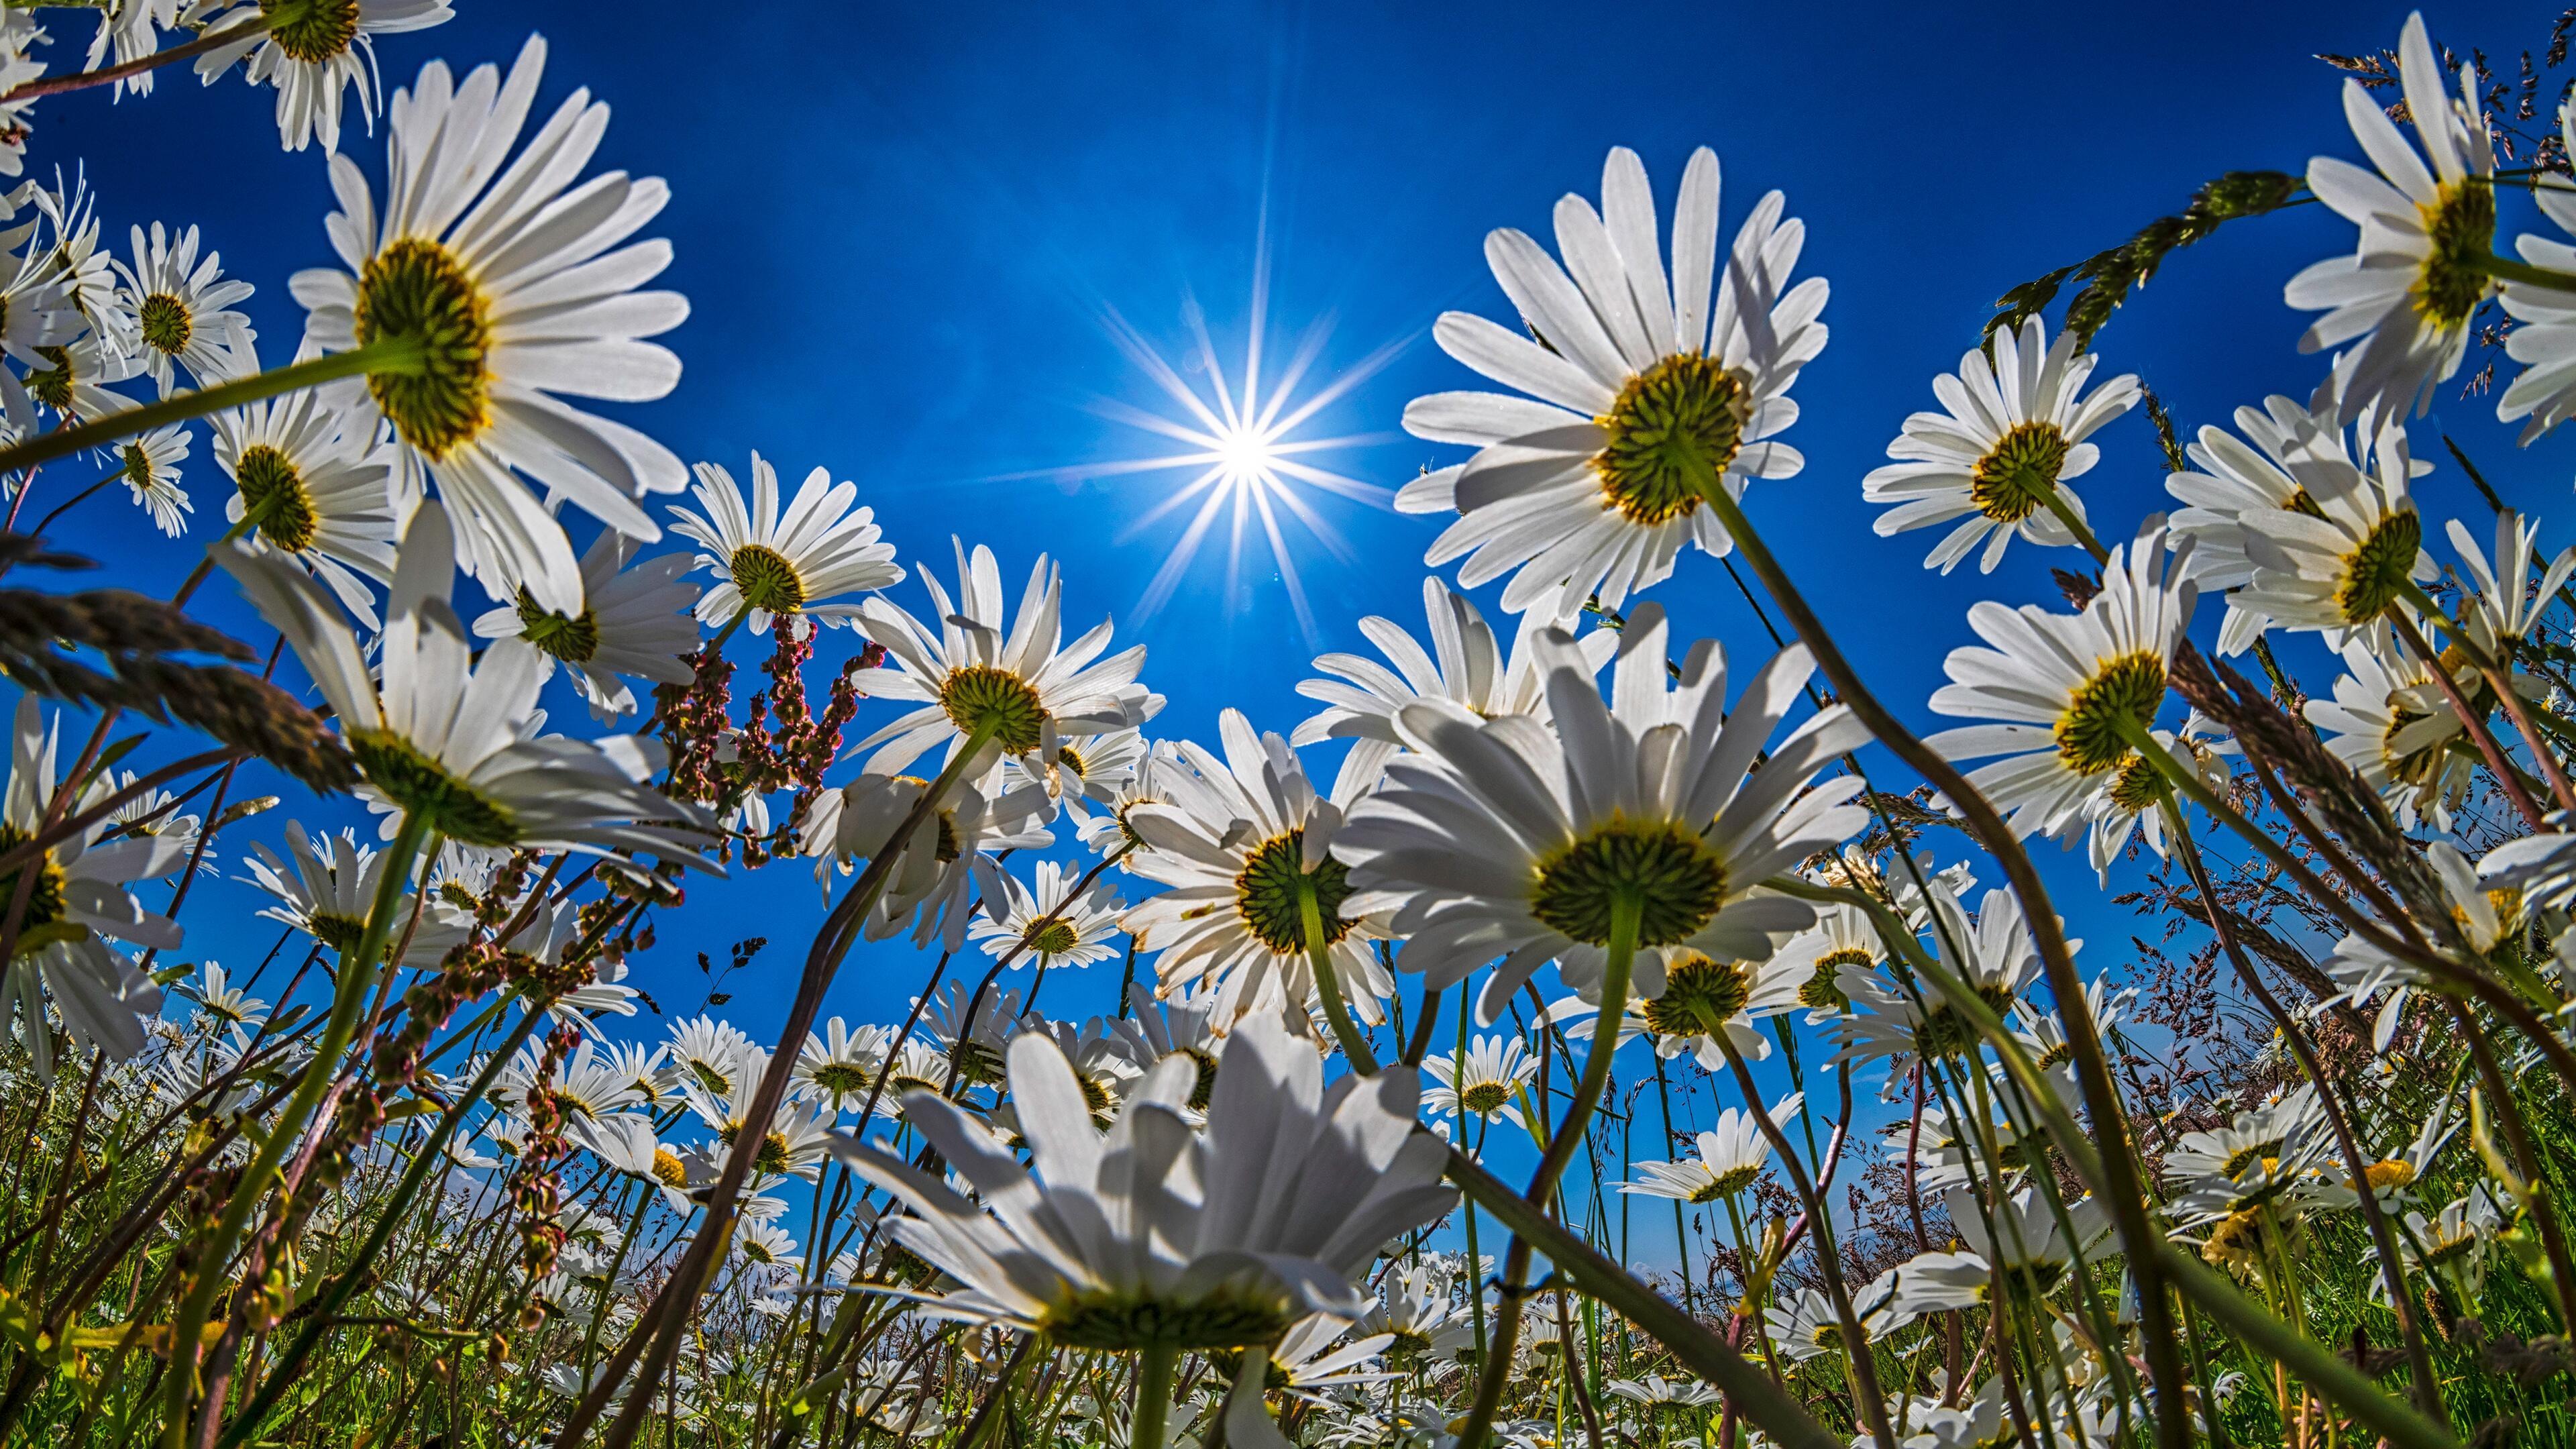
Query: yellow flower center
[(2376, 571), (423, 787), (2459, 222), (573, 640), (1673, 875), (41, 923), (1700, 996), (2016, 476), (312, 31), (416, 288), (1052, 938), (1673, 430), (1823, 991), (2122, 691), (274, 499), (669, 1170), (166, 323), (766, 579), (980, 696), (1266, 895), (1108, 1319)]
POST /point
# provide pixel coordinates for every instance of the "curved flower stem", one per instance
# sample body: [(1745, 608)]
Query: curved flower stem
[(214, 1251), (2513, 269), (2507, 778), (1355, 1044), (668, 1318), (2055, 498), (1747, 1387), (1153, 1407), (1627, 915), (83, 79), (275, 1381), (2383, 1241), (400, 356), (1865, 1390), (2121, 1187), (2499, 677)]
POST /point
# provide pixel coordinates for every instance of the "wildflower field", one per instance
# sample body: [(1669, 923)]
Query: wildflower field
[(1570, 1033)]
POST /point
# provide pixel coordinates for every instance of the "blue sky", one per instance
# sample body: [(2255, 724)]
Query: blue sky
[(901, 230)]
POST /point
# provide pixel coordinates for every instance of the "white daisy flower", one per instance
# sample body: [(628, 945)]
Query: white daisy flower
[(155, 813), (932, 885), (74, 381), (131, 29), (1466, 667), (1731, 1157), (634, 623), (586, 1087), (76, 904), (1183, 1023), (626, 1142), (2404, 301), (2290, 455), (19, 36), (841, 1069), (1504, 838), (2506, 604), (1485, 1081), (1807, 1326), (2389, 721), (182, 310), (1219, 1239), (36, 313), (1048, 924), (1149, 779), (771, 565), (1642, 391), (329, 883), (2338, 564), (148, 465), (2010, 436), (983, 667), (313, 491), (708, 1052), (796, 1139), (517, 286), (85, 271), (447, 741), (2544, 341), (1993, 957), (1842, 939), (2064, 689), (1079, 772), (1654, 1391), (221, 1006), (2134, 800), (1241, 844), (2483, 917), (314, 58)]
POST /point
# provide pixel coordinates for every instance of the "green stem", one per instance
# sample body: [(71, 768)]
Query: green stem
[(670, 1311), (1153, 1406), (215, 1250), (2055, 499), (84, 79), (400, 356), (2514, 269), (2122, 1189), (1753, 1393), (432, 1154), (1328, 986)]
